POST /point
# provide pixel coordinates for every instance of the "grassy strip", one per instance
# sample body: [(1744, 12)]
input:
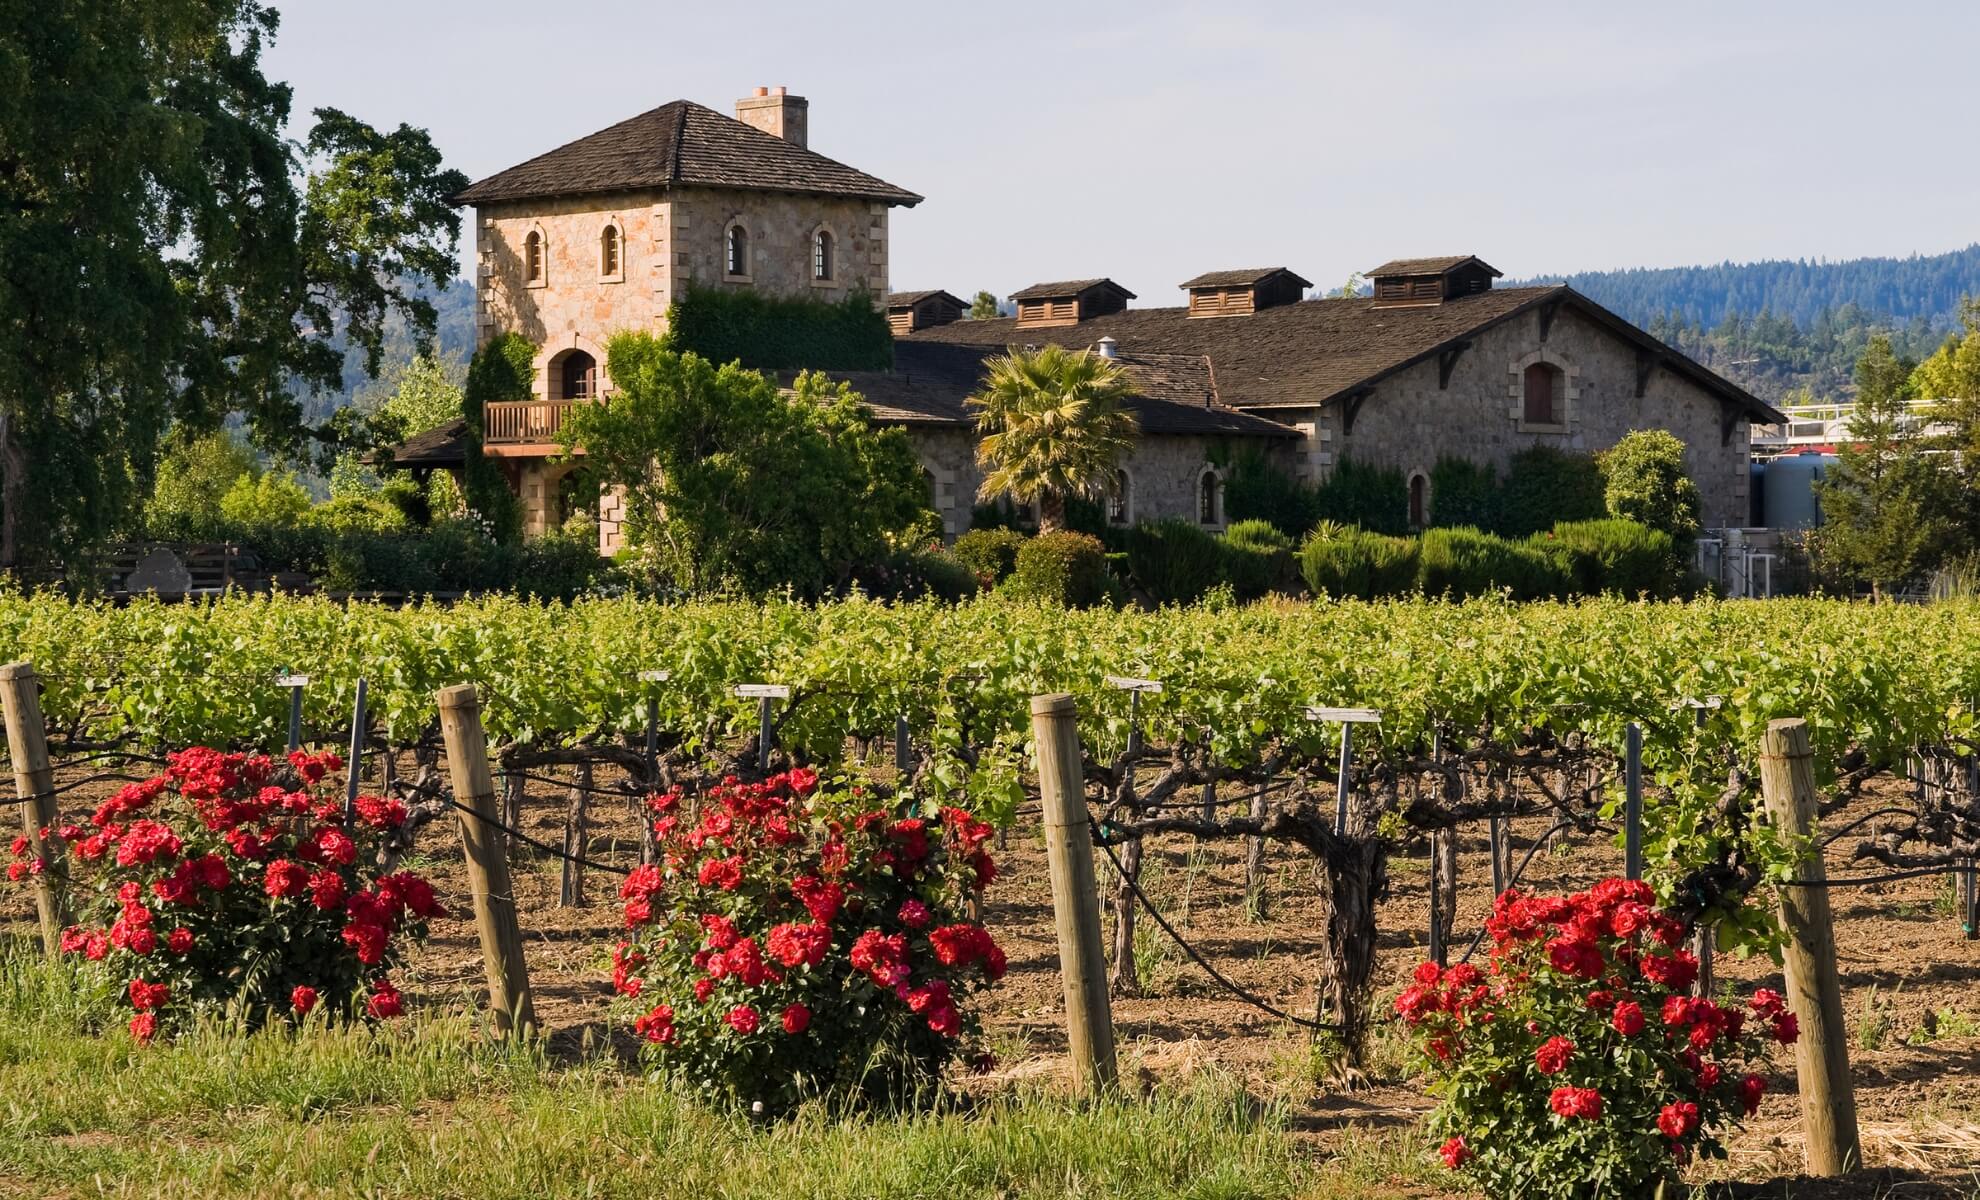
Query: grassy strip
[(422, 1109)]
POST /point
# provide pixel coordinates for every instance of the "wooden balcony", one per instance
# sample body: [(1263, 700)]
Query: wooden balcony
[(525, 428)]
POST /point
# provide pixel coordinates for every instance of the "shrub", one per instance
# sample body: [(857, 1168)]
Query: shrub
[(796, 946), (1257, 489), (263, 500), (914, 574), (230, 884), (1175, 561), (991, 553), (1257, 559), (1544, 485), (359, 512), (1463, 492), (1464, 562), (1063, 568), (771, 332), (1375, 498), (1615, 556), (1644, 481), (1576, 1064), (1356, 564)]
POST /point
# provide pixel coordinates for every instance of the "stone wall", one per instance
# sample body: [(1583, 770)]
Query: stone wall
[(1409, 422), (780, 228), (574, 298)]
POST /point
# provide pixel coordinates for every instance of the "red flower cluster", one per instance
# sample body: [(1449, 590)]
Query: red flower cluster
[(197, 860), (784, 934), (1536, 1038)]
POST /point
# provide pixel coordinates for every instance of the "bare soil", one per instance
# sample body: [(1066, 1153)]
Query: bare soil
[(1909, 979)]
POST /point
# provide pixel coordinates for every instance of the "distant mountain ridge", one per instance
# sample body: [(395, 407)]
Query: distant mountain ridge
[(1927, 286)]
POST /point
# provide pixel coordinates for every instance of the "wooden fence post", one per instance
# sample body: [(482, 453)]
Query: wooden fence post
[(1828, 1099), (486, 846), (34, 783), (1075, 896)]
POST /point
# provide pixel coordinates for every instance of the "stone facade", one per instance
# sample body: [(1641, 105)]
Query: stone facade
[(1408, 422)]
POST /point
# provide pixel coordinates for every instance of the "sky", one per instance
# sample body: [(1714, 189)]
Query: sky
[(1151, 141)]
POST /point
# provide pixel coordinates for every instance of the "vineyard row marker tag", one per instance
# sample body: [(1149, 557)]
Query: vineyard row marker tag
[(1346, 716), (764, 691), (292, 681), (1128, 684)]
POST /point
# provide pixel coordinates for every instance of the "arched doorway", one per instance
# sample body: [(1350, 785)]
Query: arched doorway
[(577, 376)]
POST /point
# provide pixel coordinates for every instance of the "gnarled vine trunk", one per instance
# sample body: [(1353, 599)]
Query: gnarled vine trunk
[(1349, 878), (1125, 980)]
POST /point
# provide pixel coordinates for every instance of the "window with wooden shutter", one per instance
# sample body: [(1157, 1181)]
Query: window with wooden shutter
[(1545, 384)]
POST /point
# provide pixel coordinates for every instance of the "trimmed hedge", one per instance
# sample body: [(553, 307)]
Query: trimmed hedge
[(1174, 561), (1458, 563), (1616, 556), (1257, 559), (1348, 563), (1063, 568), (991, 553)]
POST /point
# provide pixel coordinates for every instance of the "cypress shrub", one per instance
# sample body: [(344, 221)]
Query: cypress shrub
[(1375, 498), (1174, 561), (1462, 562), (1256, 489), (1355, 564), (1257, 559), (990, 553), (1544, 485), (1463, 492), (1063, 568)]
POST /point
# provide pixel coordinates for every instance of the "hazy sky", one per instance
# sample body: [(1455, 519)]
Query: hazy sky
[(1149, 141)]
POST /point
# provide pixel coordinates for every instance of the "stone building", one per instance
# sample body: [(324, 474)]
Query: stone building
[(1436, 363)]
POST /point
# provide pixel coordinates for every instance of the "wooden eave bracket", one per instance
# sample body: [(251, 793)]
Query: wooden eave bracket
[(1447, 361), (1351, 407)]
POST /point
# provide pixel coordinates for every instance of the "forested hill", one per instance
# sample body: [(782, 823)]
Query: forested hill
[(1900, 289)]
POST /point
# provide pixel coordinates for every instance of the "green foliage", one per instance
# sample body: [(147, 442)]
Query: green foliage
[(1375, 498), (193, 477), (1459, 563), (1051, 427), (1258, 559), (1063, 568), (1463, 492), (1544, 485), (989, 552), (983, 307), (918, 574), (1616, 556), (1349, 563), (502, 371), (1644, 481), (770, 333), (731, 483), (175, 257), (1175, 561), (1888, 509), (261, 500), (1255, 488)]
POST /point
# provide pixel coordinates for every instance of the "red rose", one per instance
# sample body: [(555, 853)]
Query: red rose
[(1428, 974), (180, 940), (1576, 1103), (797, 1018), (1676, 1120), (657, 1025), (283, 878), (1751, 1089), (303, 998), (1454, 1153), (384, 1001), (742, 1018), (1628, 1018), (1787, 1027), (144, 1026), (1553, 1055), (914, 914)]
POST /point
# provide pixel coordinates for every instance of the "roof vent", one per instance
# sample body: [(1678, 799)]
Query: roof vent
[(1412, 282), (1068, 302), (1241, 293), (909, 311), (1108, 347)]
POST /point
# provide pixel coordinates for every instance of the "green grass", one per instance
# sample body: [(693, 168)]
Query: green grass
[(423, 1108)]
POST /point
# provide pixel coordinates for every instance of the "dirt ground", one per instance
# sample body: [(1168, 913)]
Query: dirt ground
[(1909, 979)]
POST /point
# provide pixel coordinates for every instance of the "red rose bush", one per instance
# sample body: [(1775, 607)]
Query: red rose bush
[(230, 883), (1577, 1064), (789, 944)]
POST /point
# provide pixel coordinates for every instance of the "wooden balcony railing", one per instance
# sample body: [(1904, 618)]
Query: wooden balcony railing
[(523, 422)]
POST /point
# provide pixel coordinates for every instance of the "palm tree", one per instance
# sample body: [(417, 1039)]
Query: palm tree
[(1052, 426)]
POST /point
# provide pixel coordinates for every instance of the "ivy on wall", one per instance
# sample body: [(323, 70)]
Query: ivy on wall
[(776, 333), (503, 370)]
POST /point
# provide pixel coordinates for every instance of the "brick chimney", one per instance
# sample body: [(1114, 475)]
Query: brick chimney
[(776, 112)]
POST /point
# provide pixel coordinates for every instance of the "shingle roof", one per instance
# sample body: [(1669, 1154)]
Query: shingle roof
[(1067, 287), (1429, 266), (1315, 351), (681, 143), (910, 299), (931, 380), (1244, 278), (442, 446)]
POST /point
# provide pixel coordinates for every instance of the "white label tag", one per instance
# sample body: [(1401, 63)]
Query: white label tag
[(760, 691), (292, 681), (1127, 684), (1346, 716)]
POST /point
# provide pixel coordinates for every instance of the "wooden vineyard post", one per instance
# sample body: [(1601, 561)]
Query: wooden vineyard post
[(577, 835), (1828, 1099), (486, 846), (34, 783), (1075, 896)]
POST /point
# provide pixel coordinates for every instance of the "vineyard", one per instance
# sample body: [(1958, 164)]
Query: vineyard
[(1289, 883)]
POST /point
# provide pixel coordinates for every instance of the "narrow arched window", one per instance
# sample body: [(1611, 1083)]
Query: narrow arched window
[(533, 257), (1546, 393), (578, 376), (1209, 500), (821, 255), (608, 251), (1117, 499), (1419, 501), (738, 250)]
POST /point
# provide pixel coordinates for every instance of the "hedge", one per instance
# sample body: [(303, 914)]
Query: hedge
[(1063, 568)]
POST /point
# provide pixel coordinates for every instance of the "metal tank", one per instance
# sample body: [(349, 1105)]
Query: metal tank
[(1788, 500)]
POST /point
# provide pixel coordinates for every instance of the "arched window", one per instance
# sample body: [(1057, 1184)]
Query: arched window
[(821, 255), (1210, 499), (608, 251), (1419, 500), (1546, 394), (533, 257), (738, 250), (1117, 499), (577, 376)]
